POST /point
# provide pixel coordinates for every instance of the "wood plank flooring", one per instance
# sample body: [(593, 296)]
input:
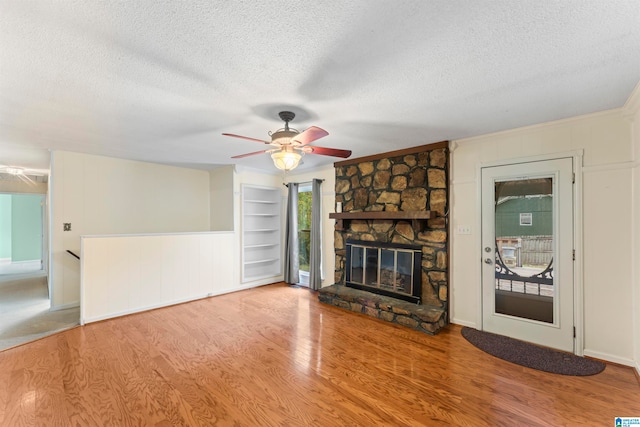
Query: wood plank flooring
[(275, 356)]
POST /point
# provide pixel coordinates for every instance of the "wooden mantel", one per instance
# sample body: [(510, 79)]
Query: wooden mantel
[(417, 217)]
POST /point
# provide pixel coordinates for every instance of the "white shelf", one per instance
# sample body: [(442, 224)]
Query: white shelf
[(267, 202), (261, 236), (261, 261)]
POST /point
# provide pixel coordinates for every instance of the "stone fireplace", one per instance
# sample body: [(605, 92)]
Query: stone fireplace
[(396, 199)]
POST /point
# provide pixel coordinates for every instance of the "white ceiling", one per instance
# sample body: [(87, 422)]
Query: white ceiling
[(160, 81)]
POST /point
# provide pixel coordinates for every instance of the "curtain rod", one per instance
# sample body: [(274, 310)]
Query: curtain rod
[(306, 182)]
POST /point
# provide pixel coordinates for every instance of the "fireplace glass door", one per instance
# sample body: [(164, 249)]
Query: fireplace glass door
[(371, 267), (356, 270), (386, 269)]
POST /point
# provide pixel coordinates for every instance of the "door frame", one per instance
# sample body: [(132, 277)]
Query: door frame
[(578, 285)]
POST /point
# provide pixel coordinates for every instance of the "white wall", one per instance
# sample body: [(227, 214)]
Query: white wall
[(128, 274), (221, 196), (328, 225), (632, 112), (103, 195), (608, 199)]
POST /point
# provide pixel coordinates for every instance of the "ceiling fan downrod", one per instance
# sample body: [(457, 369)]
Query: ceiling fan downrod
[(286, 116)]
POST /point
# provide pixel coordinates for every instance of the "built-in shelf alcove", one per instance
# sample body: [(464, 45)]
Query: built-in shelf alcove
[(261, 236)]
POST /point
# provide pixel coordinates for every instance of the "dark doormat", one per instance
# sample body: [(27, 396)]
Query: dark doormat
[(531, 355)]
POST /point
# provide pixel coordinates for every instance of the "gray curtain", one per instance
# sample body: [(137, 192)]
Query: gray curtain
[(291, 261), (315, 251)]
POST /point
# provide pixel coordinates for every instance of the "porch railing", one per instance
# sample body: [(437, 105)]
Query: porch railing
[(537, 284)]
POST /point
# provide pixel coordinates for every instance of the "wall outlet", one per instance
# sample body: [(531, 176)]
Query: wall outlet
[(464, 229), (66, 226)]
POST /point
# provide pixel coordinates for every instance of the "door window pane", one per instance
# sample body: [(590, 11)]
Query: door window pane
[(524, 248)]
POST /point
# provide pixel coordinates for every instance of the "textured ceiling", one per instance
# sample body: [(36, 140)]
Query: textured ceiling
[(160, 81)]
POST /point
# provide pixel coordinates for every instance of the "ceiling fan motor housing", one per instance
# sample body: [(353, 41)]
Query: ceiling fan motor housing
[(283, 137)]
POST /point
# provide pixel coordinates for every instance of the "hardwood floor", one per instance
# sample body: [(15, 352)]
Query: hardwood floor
[(275, 356)]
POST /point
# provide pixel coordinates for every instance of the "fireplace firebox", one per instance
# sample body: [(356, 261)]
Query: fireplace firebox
[(390, 269)]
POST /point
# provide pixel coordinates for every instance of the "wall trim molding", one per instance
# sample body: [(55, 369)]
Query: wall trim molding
[(552, 124), (632, 106), (611, 167), (91, 319), (609, 358), (577, 155), (65, 306)]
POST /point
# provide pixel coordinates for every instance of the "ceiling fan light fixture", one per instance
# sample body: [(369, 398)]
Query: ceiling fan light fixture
[(291, 144), (286, 160)]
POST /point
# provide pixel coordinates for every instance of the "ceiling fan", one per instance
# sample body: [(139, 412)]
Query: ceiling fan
[(290, 144)]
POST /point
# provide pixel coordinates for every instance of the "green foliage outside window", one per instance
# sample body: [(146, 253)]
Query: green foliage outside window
[(304, 228)]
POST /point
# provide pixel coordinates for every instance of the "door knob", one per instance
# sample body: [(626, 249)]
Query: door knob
[(488, 261)]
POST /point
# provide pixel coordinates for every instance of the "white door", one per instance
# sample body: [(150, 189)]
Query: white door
[(527, 252)]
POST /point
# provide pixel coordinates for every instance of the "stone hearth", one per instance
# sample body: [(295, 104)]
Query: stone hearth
[(423, 318)]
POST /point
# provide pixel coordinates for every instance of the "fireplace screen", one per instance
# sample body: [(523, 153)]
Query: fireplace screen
[(385, 268)]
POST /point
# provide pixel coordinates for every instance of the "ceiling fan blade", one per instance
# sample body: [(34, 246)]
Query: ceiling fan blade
[(246, 137), (249, 154), (335, 152), (309, 135)]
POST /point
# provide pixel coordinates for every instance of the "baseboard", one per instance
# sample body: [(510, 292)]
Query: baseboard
[(464, 323), (237, 288), (228, 291), (610, 358), (65, 306), (84, 321), (259, 282)]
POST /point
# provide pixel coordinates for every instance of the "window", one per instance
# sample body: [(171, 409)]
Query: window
[(526, 219), (304, 231)]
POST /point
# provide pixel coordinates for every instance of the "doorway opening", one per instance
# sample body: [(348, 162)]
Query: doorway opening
[(22, 246), (527, 246), (25, 301), (304, 231)]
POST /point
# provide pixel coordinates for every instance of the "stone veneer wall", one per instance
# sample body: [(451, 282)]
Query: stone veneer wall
[(411, 182)]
